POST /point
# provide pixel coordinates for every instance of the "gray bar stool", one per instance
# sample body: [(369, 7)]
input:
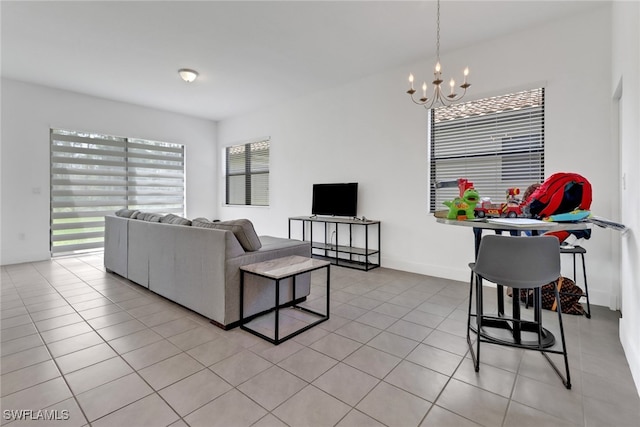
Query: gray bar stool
[(520, 263), (578, 250)]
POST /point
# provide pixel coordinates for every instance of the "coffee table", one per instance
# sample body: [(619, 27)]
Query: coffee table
[(277, 270)]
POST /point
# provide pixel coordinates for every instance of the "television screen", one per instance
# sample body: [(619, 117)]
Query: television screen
[(335, 199)]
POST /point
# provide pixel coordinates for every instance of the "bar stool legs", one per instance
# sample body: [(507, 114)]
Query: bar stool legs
[(573, 251)]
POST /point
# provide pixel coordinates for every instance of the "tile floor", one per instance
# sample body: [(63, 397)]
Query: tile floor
[(91, 348)]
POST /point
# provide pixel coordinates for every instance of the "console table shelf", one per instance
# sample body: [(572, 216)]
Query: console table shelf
[(339, 253)]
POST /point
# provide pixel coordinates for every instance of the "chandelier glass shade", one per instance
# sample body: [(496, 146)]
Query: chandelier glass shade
[(438, 97)]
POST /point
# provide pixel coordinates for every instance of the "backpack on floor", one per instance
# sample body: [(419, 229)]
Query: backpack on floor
[(562, 192), (570, 295)]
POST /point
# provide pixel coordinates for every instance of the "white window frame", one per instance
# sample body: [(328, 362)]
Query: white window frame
[(247, 173)]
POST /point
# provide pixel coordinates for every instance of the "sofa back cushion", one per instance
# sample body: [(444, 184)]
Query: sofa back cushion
[(241, 228), (175, 219), (148, 216)]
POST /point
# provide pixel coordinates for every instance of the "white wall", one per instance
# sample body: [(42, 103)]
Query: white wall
[(29, 111), (370, 132), (625, 86)]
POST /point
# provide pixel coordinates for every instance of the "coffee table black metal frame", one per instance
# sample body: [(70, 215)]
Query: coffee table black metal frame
[(278, 270)]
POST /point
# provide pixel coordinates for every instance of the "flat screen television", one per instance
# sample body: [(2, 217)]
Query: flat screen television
[(335, 199)]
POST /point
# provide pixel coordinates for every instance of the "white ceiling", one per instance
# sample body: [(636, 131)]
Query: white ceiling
[(249, 54)]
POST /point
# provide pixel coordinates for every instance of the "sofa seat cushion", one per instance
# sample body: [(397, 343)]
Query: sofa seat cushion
[(241, 228)]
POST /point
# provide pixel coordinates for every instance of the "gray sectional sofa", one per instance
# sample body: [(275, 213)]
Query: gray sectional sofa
[(196, 263)]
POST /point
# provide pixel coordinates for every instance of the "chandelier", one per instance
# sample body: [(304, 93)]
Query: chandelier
[(438, 95)]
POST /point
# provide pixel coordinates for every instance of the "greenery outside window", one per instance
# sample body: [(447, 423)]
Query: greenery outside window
[(497, 143), (93, 175), (247, 174)]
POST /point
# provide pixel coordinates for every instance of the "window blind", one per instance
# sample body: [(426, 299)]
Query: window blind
[(93, 175), (497, 143), (247, 173)]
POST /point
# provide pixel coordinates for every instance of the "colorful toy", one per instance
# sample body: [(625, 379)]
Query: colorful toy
[(462, 208), (511, 209)]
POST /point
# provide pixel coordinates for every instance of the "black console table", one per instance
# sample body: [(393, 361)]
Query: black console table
[(365, 257)]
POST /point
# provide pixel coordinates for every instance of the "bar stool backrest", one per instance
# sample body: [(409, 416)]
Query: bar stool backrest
[(519, 262)]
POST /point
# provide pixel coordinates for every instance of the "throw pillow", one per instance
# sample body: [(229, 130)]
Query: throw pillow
[(127, 213), (241, 228), (148, 216)]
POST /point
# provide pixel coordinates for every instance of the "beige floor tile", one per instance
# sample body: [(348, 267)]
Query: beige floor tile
[(135, 341), (54, 312), (24, 358), (372, 361), (27, 377), (195, 391), (448, 342), (214, 351), (121, 329), (434, 358), (438, 417), (312, 407), (358, 331), (148, 411), (336, 346), (170, 370), (393, 344), (554, 399), (18, 332), (103, 310), (109, 319), (150, 354), (356, 418), (519, 415), (489, 378), (78, 342), (98, 374), (194, 337), (230, 409), (175, 327), (58, 334), (241, 367), (85, 357), (308, 364), (20, 344), (418, 380), (410, 330), (393, 406), (272, 387), (112, 396), (471, 402), (346, 383), (39, 396)]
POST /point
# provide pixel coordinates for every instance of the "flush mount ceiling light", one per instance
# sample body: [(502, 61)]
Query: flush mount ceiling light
[(438, 96), (188, 75)]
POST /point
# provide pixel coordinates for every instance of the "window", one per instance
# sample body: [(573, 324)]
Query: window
[(93, 175), (247, 174), (497, 143)]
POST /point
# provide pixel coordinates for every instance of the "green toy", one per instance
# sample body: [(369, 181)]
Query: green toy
[(462, 208)]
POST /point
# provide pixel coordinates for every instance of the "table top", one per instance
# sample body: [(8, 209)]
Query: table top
[(281, 268), (334, 219), (516, 224)]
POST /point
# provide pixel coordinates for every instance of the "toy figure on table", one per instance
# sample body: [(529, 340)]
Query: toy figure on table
[(462, 207)]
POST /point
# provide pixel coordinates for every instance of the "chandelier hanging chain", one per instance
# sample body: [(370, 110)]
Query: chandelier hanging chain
[(438, 34), (438, 96)]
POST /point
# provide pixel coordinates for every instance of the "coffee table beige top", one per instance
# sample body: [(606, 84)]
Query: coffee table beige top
[(284, 267)]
